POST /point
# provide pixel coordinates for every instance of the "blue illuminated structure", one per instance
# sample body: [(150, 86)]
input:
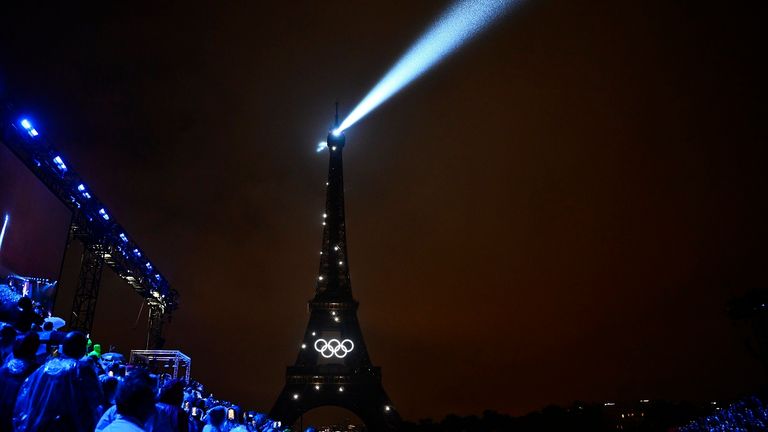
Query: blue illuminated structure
[(81, 188), (6, 220), (105, 241), (60, 164), (27, 125), (458, 25)]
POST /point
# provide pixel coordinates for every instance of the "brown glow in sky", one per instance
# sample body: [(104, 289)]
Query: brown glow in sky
[(561, 211)]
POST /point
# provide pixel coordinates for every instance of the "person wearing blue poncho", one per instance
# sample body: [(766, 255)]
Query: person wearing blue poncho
[(61, 395), (16, 369)]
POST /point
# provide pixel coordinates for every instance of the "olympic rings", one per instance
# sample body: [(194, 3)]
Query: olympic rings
[(334, 347)]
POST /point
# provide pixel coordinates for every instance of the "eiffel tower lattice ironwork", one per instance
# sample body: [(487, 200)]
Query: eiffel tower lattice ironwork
[(333, 367)]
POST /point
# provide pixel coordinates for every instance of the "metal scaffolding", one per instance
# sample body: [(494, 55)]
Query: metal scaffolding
[(159, 360), (104, 240)]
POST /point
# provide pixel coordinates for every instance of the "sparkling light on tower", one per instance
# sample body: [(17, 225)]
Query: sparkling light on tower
[(461, 22)]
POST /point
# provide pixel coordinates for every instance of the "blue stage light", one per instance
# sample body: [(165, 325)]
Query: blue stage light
[(104, 214), (60, 164), (83, 192), (322, 145), (137, 252), (6, 220), (123, 237), (464, 20), (149, 266), (26, 124)]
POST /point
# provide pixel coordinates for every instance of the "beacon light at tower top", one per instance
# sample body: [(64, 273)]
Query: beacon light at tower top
[(459, 24), (333, 135)]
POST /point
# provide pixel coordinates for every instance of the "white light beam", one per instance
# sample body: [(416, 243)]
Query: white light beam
[(464, 20)]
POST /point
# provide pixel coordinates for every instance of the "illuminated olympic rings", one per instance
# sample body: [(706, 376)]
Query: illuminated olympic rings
[(334, 347)]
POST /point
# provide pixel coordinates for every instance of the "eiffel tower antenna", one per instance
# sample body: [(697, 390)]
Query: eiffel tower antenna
[(333, 366), (336, 120)]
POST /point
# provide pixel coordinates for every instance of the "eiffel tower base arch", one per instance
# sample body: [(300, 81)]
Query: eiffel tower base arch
[(363, 395)]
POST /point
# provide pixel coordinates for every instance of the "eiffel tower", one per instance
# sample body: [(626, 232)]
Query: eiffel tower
[(333, 367)]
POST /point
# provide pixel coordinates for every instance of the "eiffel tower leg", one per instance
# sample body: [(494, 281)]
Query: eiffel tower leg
[(368, 401)]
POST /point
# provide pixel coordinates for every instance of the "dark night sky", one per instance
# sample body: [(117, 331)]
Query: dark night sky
[(560, 211)]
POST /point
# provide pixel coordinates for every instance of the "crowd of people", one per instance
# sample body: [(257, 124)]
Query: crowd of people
[(743, 416), (59, 381), (52, 380)]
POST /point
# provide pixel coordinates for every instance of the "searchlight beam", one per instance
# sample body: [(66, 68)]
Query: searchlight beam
[(458, 25)]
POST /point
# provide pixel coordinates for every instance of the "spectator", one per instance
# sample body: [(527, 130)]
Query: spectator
[(26, 315), (49, 339), (63, 394), (96, 351), (7, 338), (216, 417), (234, 415), (745, 415), (108, 390), (135, 403), (13, 373), (169, 406), (196, 415)]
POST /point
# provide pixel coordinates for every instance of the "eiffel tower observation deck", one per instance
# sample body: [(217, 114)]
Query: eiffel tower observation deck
[(333, 367)]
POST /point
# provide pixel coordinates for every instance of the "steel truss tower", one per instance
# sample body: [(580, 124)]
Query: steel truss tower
[(105, 242), (333, 367), (84, 303)]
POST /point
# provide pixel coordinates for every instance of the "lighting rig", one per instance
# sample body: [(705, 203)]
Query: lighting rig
[(105, 241)]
